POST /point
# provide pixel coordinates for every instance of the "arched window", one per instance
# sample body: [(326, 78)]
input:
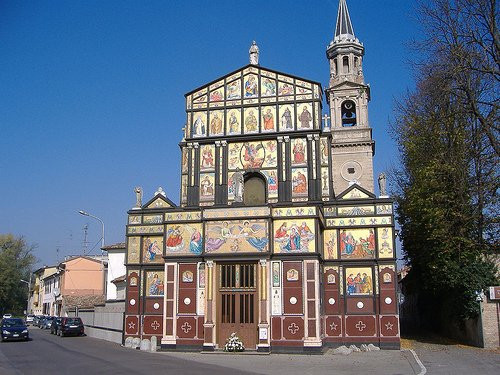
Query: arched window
[(348, 110), (255, 190), (336, 68), (345, 63)]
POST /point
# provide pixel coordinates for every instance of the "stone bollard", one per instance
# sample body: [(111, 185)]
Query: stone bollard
[(342, 350), (136, 342), (146, 345), (365, 348), (373, 347), (128, 342), (154, 343), (354, 348)]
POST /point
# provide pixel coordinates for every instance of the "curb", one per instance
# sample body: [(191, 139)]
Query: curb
[(423, 370)]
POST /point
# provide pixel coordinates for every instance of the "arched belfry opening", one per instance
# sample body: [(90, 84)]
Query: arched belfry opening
[(255, 189), (348, 111)]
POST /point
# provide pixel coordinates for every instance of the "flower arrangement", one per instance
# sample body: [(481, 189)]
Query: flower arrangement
[(234, 344)]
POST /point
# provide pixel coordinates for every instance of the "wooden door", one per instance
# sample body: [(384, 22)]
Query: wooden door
[(237, 303)]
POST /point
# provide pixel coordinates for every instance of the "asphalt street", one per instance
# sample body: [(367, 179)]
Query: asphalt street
[(50, 354)]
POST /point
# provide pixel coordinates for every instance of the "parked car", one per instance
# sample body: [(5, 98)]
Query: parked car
[(54, 327), (36, 320), (29, 319), (70, 326), (14, 329), (7, 316), (47, 322)]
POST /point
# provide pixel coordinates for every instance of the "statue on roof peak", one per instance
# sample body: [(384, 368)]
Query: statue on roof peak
[(254, 53)]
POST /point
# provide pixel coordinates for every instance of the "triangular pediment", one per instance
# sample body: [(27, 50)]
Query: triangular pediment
[(159, 201), (355, 192), (346, 85), (252, 84)]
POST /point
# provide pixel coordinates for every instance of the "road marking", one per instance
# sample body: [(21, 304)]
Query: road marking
[(423, 370)]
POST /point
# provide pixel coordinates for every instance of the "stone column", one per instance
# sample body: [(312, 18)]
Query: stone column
[(263, 344), (209, 325)]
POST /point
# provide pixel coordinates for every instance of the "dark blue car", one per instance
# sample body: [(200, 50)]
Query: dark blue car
[(14, 329)]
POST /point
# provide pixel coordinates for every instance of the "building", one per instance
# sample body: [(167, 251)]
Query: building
[(78, 282), (115, 269), (38, 289), (279, 236)]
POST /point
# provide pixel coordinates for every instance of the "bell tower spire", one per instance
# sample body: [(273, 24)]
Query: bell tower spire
[(348, 97)]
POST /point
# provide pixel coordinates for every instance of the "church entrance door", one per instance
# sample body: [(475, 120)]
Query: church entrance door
[(237, 303)]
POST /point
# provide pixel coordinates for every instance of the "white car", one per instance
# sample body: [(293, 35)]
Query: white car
[(29, 319), (7, 316)]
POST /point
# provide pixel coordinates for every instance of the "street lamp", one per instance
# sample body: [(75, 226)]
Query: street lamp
[(81, 212), (29, 291)]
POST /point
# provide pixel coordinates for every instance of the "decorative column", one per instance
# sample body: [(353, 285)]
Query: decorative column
[(170, 307), (209, 343), (311, 287), (263, 344)]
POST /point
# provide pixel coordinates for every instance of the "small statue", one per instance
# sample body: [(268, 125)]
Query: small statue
[(160, 191), (254, 54), (382, 184), (138, 197), (238, 186)]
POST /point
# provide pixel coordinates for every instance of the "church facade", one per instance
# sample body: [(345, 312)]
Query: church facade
[(278, 236)]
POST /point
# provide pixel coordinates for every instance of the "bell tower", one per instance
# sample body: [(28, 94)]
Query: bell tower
[(348, 96)]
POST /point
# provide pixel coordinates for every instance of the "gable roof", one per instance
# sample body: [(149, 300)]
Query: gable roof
[(154, 202), (355, 189)]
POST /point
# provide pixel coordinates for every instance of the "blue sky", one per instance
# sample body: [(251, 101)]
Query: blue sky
[(92, 95)]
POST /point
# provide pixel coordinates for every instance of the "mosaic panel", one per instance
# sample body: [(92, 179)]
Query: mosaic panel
[(233, 121), (145, 229), (294, 211), (354, 221), (294, 236), (155, 283), (298, 151), (133, 249), (384, 241), (207, 155), (252, 155), (183, 216), (199, 124), (299, 182), (236, 236), (355, 210), (304, 116), (184, 239), (330, 244), (152, 249), (207, 186), (268, 115), (286, 117), (357, 243), (358, 281), (216, 123)]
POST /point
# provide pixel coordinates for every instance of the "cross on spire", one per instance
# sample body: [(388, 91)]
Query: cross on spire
[(343, 29)]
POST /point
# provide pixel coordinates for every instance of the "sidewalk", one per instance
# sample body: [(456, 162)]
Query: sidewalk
[(384, 362)]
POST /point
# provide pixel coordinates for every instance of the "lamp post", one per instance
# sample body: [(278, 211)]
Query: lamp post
[(29, 291), (84, 213), (81, 212)]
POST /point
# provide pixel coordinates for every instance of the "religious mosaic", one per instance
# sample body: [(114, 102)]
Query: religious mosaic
[(236, 236), (183, 216), (251, 122), (330, 244), (286, 116), (298, 152), (299, 182), (355, 210), (233, 90), (294, 211), (294, 236), (325, 181), (272, 183), (152, 249), (358, 281), (251, 89), (155, 283), (357, 243), (184, 160), (153, 219), (304, 116), (324, 150), (215, 213), (133, 249), (268, 115), (184, 239), (207, 156), (134, 219), (356, 194), (207, 186), (253, 155), (216, 123), (145, 229), (268, 86), (354, 221), (384, 240), (199, 124), (217, 95), (233, 126), (384, 209)]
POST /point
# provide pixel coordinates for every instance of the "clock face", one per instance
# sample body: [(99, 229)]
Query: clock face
[(351, 171)]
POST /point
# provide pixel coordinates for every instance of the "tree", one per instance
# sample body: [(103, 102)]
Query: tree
[(16, 263)]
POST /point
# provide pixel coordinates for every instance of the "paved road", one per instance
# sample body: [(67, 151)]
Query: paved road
[(49, 354)]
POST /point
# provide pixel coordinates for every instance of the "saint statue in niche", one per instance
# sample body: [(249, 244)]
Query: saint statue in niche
[(305, 118), (286, 120), (239, 186), (268, 120)]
